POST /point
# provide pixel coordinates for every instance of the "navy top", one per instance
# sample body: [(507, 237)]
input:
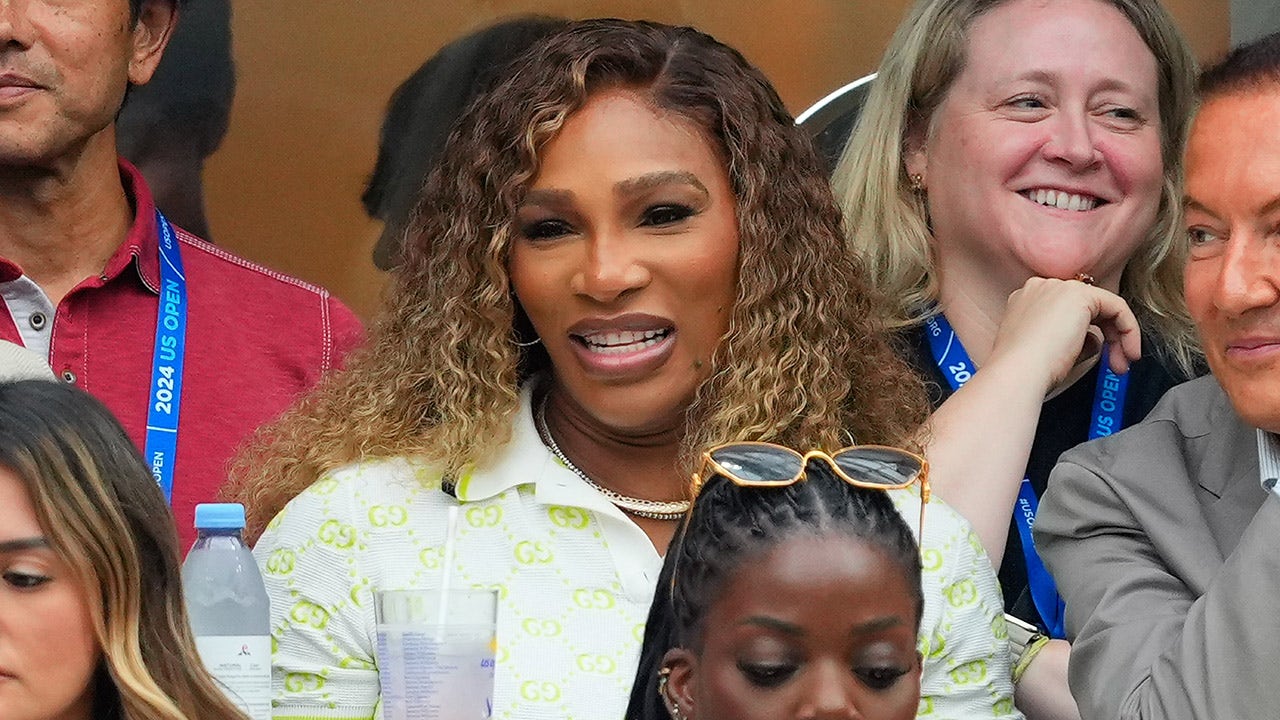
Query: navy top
[(1064, 423)]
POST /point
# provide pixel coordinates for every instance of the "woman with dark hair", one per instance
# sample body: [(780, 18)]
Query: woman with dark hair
[(92, 621), (425, 109), (629, 254), (791, 601)]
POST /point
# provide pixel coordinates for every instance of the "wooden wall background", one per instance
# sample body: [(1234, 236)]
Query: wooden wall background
[(315, 75)]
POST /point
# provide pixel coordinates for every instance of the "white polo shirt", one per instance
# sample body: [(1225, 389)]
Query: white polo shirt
[(576, 578)]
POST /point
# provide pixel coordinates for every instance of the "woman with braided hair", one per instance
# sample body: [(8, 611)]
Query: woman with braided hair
[(799, 601)]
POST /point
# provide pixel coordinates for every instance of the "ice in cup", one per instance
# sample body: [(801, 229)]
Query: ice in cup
[(436, 653)]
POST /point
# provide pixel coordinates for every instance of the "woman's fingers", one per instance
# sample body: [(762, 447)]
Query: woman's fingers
[(1057, 323), (1093, 340), (1120, 328)]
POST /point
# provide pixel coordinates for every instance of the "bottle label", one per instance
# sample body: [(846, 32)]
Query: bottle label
[(241, 665)]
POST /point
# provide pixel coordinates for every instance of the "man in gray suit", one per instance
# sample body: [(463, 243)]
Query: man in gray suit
[(1164, 539)]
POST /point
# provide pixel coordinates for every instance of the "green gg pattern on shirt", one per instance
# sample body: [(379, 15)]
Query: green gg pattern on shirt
[(575, 576), (568, 630), (962, 635)]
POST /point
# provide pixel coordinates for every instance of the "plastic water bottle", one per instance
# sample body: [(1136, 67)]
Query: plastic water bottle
[(228, 608)]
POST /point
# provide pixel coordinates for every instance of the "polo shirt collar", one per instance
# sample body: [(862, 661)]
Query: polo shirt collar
[(525, 460), (141, 247), (9, 271)]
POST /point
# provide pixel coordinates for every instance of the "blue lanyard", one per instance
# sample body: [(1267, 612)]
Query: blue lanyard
[(1107, 417), (166, 363)]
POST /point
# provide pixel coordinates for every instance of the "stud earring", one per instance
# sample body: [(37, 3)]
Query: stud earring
[(917, 182)]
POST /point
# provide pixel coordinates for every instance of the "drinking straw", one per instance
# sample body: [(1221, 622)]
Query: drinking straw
[(450, 549)]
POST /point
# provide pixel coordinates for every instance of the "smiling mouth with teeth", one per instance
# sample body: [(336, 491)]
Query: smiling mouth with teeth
[(617, 343), (1062, 200)]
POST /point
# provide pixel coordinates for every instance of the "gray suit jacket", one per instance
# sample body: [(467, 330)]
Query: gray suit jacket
[(1167, 553)]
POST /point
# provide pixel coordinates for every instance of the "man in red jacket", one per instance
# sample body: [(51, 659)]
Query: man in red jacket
[(191, 347)]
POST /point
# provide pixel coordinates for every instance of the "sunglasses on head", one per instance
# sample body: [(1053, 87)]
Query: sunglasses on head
[(762, 464)]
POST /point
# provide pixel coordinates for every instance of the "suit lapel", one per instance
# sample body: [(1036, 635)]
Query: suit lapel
[(1230, 473)]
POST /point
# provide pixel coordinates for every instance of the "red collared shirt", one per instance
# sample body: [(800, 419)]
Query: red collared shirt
[(256, 339)]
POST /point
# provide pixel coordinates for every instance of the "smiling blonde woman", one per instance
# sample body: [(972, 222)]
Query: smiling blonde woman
[(1013, 184)]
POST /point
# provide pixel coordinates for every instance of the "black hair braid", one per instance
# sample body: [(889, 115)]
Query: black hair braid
[(730, 525)]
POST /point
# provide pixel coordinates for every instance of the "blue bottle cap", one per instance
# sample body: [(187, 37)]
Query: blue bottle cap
[(219, 516)]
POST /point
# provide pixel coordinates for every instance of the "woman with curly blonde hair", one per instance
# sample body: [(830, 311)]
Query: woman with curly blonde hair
[(1014, 186), (92, 621), (628, 254)]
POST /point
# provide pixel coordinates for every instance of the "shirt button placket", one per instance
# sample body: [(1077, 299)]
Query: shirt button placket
[(67, 355)]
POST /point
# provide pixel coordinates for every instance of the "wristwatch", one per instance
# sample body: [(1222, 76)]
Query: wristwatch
[(1025, 642)]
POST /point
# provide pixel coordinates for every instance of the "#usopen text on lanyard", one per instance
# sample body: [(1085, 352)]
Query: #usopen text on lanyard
[(167, 362), (1106, 418)]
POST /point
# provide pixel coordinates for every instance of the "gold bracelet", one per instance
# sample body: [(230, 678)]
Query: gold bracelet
[(1033, 648)]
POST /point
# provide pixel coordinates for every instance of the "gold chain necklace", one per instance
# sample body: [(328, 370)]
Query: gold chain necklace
[(640, 507)]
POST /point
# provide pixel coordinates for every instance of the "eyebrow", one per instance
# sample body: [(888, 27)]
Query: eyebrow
[(1040, 76), (630, 186), (553, 198), (1048, 78), (867, 628), (877, 625), (648, 181), (1190, 203), (23, 544), (773, 624)]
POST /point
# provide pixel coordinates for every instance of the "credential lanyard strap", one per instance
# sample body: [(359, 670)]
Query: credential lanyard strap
[(167, 362), (1107, 417)]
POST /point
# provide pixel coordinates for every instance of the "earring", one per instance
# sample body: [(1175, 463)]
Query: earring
[(917, 182), (673, 708)]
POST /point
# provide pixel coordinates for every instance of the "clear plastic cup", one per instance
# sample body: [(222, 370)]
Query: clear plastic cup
[(436, 664)]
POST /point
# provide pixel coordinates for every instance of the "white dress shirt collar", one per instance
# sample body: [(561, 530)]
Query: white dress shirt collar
[(1268, 460)]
